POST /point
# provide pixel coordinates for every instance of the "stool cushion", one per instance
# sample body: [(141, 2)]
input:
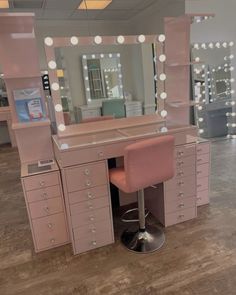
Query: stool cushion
[(147, 162)]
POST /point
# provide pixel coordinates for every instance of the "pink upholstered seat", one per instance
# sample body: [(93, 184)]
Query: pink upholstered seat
[(146, 163)]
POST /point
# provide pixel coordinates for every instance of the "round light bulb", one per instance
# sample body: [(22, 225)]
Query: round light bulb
[(211, 45), (199, 108), (52, 65), (102, 55), (48, 41), (231, 43), (218, 45), (196, 46), (74, 40), (201, 131), (110, 55), (164, 129), (163, 95), (162, 77), (232, 80), (98, 40), (93, 56), (161, 38), (197, 59), (163, 113), (61, 127), (225, 45), (58, 108), (200, 119), (120, 39), (162, 58), (55, 86), (141, 38)]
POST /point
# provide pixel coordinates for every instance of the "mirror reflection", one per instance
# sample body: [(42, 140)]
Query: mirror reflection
[(212, 87), (112, 81), (3, 92)]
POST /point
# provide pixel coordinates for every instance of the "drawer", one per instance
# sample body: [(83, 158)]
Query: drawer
[(46, 207), (43, 194), (90, 217), (203, 148), (185, 150), (183, 192), (180, 216), (41, 181), (93, 242), (90, 205), (92, 229), (202, 183), (89, 194), (203, 170), (180, 204), (50, 231), (86, 176), (203, 158), (180, 184), (203, 198), (186, 161), (185, 171)]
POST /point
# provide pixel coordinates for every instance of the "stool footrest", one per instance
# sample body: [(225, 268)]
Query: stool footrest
[(132, 220)]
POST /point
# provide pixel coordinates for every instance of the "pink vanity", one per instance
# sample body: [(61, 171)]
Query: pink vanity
[(69, 201)]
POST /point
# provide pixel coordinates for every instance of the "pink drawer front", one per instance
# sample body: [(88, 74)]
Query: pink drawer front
[(203, 148), (203, 158), (46, 207), (180, 204), (203, 170), (179, 184), (91, 205), (185, 150), (186, 191), (203, 198), (93, 242), (202, 183), (92, 229), (43, 194), (41, 181), (88, 194), (180, 216), (184, 162), (50, 231), (86, 176), (185, 171)]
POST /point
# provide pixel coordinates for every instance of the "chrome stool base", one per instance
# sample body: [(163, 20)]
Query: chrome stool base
[(147, 241)]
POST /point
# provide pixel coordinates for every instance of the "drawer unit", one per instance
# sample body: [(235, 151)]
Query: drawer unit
[(88, 206), (86, 176), (180, 216), (203, 172), (41, 181), (50, 231), (46, 210), (89, 194), (43, 194)]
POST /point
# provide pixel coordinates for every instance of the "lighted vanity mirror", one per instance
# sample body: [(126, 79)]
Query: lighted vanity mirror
[(212, 77), (116, 77)]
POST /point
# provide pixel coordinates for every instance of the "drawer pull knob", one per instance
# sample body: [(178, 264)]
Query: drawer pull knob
[(47, 209), (44, 195), (180, 183), (181, 216), (42, 183), (91, 218), (181, 205), (94, 243), (100, 154), (199, 185), (52, 241), (90, 196), (180, 154), (50, 225), (180, 163), (88, 183), (199, 198), (181, 194), (86, 172), (90, 207), (93, 230), (181, 173)]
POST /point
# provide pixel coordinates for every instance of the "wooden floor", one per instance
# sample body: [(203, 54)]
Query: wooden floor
[(199, 257)]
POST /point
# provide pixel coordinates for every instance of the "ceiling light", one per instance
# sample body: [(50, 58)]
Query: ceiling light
[(4, 4), (94, 4)]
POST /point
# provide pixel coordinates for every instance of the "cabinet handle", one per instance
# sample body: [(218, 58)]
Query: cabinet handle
[(94, 243), (181, 205), (199, 185), (90, 207), (181, 194), (44, 195), (93, 230), (89, 195), (181, 215), (180, 163), (49, 225), (181, 173), (88, 182), (199, 198), (42, 183), (52, 241), (180, 183), (47, 209), (100, 154), (91, 218), (86, 172), (180, 154)]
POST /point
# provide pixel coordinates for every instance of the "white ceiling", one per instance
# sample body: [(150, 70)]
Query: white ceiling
[(67, 9)]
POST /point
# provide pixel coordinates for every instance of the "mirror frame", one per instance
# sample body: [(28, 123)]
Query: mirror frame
[(52, 43)]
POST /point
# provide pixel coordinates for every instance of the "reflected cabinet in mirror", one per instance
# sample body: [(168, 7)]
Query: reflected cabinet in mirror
[(212, 77), (108, 80)]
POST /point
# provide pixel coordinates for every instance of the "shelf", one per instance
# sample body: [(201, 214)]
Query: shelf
[(16, 126), (184, 64), (22, 77), (179, 104)]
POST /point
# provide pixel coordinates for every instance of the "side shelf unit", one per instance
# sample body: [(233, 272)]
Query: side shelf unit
[(45, 206), (88, 205)]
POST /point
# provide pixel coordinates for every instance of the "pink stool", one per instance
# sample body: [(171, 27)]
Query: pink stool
[(146, 163)]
